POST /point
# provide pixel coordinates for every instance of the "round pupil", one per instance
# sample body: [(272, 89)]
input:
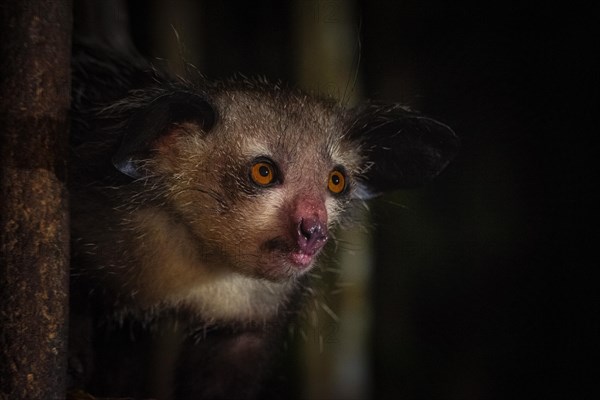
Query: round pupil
[(335, 179), (264, 171)]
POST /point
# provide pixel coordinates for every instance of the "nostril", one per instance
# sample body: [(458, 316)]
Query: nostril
[(308, 228), (312, 234)]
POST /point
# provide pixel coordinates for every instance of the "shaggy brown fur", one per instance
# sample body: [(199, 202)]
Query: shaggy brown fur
[(170, 218)]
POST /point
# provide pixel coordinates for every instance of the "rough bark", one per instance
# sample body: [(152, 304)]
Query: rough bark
[(34, 103)]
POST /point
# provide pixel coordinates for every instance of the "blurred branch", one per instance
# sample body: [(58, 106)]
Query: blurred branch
[(34, 103)]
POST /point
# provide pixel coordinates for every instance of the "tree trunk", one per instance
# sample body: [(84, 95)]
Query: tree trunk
[(34, 243)]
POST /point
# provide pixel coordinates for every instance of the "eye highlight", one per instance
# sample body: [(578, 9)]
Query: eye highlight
[(263, 173), (337, 182)]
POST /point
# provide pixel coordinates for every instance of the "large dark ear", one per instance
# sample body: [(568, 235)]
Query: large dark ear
[(403, 149), (151, 122)]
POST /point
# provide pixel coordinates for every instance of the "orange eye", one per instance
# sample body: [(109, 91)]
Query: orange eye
[(337, 182), (262, 173)]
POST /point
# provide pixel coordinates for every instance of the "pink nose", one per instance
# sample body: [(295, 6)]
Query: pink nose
[(311, 235)]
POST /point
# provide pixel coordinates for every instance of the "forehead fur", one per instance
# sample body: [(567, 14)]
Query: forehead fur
[(288, 125)]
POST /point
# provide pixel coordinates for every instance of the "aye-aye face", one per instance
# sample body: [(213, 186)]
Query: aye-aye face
[(262, 187), (260, 176)]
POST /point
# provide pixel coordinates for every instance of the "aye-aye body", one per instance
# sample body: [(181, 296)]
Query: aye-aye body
[(209, 202)]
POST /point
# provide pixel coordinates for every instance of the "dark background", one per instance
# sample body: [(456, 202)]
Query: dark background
[(482, 287)]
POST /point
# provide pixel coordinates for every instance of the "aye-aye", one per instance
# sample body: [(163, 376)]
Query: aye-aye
[(210, 202)]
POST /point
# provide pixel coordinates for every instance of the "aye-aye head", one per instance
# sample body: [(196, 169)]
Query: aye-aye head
[(260, 175)]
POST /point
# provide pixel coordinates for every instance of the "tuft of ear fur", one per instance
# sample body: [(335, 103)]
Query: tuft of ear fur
[(402, 149), (150, 123)]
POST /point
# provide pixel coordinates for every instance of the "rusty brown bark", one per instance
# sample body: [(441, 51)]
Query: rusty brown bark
[(34, 241)]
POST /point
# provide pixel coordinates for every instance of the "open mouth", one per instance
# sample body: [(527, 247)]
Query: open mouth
[(289, 254), (301, 259)]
